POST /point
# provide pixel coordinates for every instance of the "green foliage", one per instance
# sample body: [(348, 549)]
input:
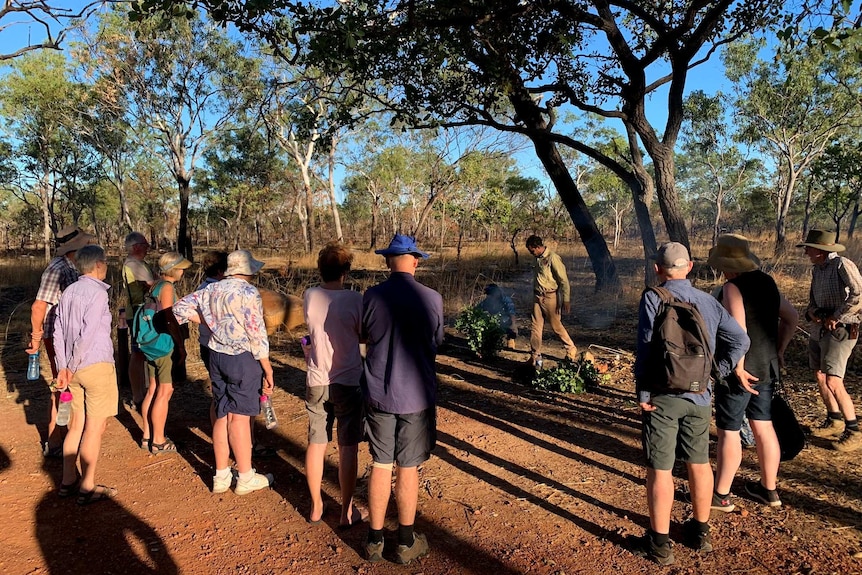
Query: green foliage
[(568, 377), (483, 331)]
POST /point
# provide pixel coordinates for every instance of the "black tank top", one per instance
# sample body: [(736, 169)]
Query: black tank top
[(761, 301)]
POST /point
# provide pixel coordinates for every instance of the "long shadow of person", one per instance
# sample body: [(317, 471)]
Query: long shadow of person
[(102, 538)]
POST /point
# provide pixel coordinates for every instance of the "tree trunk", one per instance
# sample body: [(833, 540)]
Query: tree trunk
[(668, 200), (184, 240), (336, 219)]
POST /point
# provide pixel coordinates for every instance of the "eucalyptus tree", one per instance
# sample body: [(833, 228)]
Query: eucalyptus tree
[(41, 106), (50, 24), (838, 174), (794, 111), (181, 84)]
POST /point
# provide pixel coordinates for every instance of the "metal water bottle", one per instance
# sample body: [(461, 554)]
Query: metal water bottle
[(268, 412), (33, 369), (64, 411), (539, 362)]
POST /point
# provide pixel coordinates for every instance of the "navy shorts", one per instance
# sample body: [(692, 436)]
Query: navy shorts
[(732, 402), (236, 383), (406, 439)]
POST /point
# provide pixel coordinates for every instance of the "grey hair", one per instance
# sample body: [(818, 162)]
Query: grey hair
[(134, 238), (88, 257)]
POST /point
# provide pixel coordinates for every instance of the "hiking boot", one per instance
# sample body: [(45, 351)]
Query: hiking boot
[(258, 481), (758, 492), (829, 429), (406, 554), (644, 546), (850, 441), (697, 539), (374, 551), (722, 503)]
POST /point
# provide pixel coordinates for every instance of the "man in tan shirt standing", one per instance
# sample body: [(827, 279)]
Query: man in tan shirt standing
[(551, 297)]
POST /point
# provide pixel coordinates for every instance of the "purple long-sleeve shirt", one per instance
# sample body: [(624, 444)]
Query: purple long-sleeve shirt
[(82, 327)]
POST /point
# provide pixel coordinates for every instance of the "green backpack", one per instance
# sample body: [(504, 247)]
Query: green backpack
[(152, 343)]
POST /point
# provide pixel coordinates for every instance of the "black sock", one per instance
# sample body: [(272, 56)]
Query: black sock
[(375, 535), (835, 415), (700, 526), (721, 496), (852, 424), (405, 535), (659, 538)]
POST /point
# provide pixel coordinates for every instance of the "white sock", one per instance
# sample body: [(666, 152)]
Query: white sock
[(223, 473), (247, 476)]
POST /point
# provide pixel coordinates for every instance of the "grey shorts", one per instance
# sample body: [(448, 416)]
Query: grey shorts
[(732, 402), (327, 404), (405, 439), (677, 429), (828, 351)]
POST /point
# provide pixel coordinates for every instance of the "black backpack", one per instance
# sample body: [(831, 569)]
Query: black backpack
[(680, 359)]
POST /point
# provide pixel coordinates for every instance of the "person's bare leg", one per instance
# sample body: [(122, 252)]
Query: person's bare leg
[(159, 411), (407, 494), (239, 438), (221, 448), (146, 406), (379, 490), (314, 456), (768, 452), (701, 483), (70, 447), (660, 499), (727, 459), (348, 465), (828, 398), (91, 445), (55, 432), (836, 388)]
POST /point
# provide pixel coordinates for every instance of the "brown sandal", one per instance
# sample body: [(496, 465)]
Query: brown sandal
[(99, 493)]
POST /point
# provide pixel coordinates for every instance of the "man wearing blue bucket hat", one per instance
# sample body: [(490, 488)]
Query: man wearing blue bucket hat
[(402, 324)]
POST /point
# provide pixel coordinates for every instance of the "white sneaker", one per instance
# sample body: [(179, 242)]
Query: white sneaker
[(257, 481), (221, 485)]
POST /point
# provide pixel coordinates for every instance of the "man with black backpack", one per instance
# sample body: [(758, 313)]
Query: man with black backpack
[(672, 377)]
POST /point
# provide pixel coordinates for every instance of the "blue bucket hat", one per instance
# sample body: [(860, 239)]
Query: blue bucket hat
[(401, 245)]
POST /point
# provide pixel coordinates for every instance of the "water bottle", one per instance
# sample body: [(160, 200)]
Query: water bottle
[(64, 411), (305, 342), (267, 411), (539, 362), (33, 370)]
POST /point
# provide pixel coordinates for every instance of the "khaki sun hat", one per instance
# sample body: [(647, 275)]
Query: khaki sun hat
[(173, 260), (732, 253), (240, 263), (821, 240), (71, 239)]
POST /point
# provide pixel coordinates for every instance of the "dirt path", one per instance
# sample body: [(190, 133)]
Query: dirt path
[(521, 482)]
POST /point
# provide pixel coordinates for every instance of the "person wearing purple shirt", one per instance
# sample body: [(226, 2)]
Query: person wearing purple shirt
[(402, 325), (85, 366)]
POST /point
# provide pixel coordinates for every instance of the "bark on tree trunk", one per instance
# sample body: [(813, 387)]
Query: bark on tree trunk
[(668, 200), (336, 218), (184, 240)]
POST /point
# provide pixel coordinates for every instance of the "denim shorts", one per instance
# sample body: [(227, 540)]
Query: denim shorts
[(406, 439), (677, 429), (732, 402), (327, 404), (236, 383)]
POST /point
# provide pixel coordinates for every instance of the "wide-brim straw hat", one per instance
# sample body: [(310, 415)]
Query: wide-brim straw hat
[(732, 253), (71, 239), (821, 240), (240, 263)]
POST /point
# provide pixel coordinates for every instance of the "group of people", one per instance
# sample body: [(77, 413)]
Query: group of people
[(749, 325), (371, 371)]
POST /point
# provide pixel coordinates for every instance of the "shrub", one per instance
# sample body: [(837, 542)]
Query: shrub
[(482, 330), (568, 377)]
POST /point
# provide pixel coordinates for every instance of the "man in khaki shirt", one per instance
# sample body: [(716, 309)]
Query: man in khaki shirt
[(551, 296)]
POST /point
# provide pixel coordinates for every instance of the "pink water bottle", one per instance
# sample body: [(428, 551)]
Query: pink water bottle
[(64, 411)]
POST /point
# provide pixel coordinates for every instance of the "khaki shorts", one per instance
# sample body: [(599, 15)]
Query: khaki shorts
[(327, 404), (160, 369), (94, 390), (677, 429), (828, 351)]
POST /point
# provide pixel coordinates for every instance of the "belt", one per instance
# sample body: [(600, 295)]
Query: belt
[(546, 292)]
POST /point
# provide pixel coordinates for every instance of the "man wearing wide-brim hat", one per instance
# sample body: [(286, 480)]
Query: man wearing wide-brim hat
[(752, 299), (60, 274), (835, 307)]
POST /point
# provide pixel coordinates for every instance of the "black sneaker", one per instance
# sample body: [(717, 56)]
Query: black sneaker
[(722, 503), (697, 539), (759, 493), (644, 546)]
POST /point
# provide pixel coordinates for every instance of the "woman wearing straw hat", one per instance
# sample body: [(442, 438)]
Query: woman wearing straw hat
[(752, 298), (835, 307)]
